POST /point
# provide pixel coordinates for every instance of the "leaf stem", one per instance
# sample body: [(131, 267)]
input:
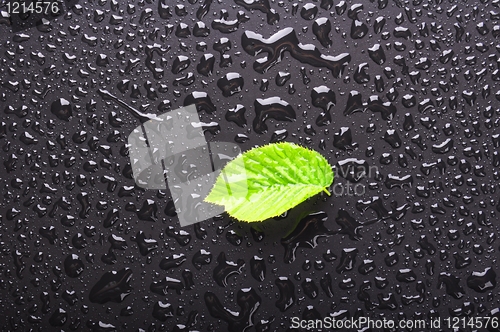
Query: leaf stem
[(327, 192)]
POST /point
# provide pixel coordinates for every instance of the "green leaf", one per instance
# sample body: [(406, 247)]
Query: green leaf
[(267, 181)]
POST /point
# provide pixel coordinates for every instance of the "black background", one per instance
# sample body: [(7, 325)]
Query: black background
[(462, 92)]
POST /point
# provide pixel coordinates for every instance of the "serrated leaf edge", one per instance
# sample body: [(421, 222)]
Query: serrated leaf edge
[(323, 189)]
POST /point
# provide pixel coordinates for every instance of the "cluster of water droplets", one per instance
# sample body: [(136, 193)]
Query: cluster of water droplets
[(401, 96)]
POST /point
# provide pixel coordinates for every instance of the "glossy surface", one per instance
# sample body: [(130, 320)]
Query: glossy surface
[(401, 95)]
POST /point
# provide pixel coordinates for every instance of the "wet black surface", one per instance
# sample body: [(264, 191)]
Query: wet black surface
[(402, 96)]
